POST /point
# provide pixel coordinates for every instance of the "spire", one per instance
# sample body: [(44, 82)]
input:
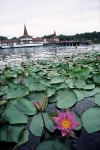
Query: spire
[(25, 30), (54, 34)]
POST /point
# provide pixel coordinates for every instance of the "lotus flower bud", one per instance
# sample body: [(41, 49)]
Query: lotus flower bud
[(26, 74), (67, 63), (20, 80), (37, 105)]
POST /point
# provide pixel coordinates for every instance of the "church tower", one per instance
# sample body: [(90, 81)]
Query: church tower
[(25, 30)]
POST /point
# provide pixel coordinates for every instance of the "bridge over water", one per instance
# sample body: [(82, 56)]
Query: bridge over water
[(68, 43)]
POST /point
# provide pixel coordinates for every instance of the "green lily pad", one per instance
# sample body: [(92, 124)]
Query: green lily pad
[(14, 116), (10, 75), (23, 138), (97, 99), (36, 96), (25, 106), (70, 82), (79, 94), (20, 91), (57, 79), (10, 133), (89, 93), (50, 91), (77, 119), (45, 82), (61, 86), (29, 80), (96, 77), (81, 84), (36, 69), (36, 86), (91, 119), (54, 144), (80, 73), (66, 98), (36, 125)]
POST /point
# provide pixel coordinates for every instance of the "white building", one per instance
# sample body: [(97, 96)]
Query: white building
[(27, 41)]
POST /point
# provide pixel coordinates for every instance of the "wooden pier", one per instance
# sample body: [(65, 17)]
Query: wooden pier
[(68, 43)]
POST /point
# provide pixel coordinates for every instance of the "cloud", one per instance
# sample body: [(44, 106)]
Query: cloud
[(42, 17)]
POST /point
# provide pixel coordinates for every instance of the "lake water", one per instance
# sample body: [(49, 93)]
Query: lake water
[(17, 55)]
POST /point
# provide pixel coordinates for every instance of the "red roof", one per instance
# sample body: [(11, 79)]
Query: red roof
[(25, 34), (25, 30)]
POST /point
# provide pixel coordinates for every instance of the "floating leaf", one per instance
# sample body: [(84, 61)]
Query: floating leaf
[(80, 73), (36, 96), (97, 99), (61, 86), (29, 80), (79, 94), (10, 133), (50, 91), (25, 106), (91, 119), (10, 75), (89, 93), (36, 69), (70, 82), (83, 73), (96, 77), (23, 138), (45, 82), (17, 92), (66, 98), (77, 119), (54, 144), (36, 86), (36, 125), (57, 79), (13, 114)]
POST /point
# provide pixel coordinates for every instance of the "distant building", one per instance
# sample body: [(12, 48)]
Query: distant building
[(54, 39), (27, 41)]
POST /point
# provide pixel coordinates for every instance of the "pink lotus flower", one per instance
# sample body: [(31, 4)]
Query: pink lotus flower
[(99, 57), (20, 80), (23, 71), (37, 105), (65, 122), (67, 63)]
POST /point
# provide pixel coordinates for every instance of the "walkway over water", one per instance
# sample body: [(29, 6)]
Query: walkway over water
[(69, 43)]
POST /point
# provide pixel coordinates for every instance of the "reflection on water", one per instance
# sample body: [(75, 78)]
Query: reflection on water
[(15, 56)]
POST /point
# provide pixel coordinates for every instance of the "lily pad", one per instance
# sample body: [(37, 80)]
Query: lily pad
[(14, 116), (20, 91), (97, 99), (96, 77), (79, 94), (77, 119), (23, 138), (57, 79), (10, 133), (50, 91), (36, 125), (25, 106), (66, 98), (91, 119), (54, 144)]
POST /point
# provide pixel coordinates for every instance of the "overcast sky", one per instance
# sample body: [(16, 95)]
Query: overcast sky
[(42, 17)]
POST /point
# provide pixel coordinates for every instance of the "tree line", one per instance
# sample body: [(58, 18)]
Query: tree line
[(93, 36)]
